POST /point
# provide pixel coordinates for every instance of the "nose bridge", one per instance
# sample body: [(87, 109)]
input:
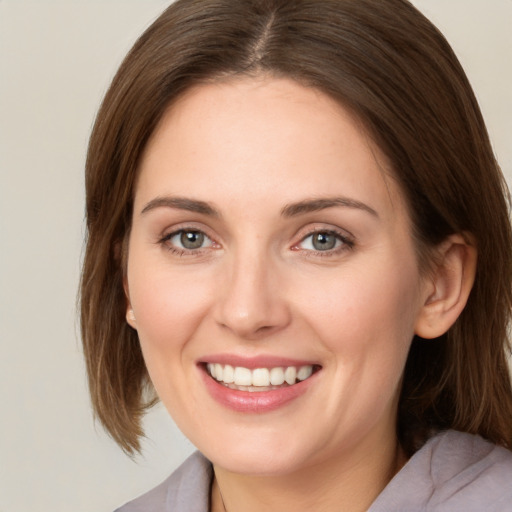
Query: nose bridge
[(251, 303)]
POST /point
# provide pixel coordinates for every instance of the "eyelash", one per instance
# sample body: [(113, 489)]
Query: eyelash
[(347, 243)]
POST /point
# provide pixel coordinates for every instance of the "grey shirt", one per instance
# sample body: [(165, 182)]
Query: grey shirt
[(453, 471)]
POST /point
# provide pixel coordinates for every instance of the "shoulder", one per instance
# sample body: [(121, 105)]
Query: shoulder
[(186, 490), (467, 470), (453, 471)]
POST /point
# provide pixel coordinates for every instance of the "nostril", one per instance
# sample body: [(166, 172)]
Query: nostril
[(264, 329)]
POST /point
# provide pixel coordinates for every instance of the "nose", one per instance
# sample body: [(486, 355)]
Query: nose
[(251, 302)]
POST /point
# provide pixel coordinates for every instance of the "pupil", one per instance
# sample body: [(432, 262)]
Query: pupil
[(324, 241), (192, 239)]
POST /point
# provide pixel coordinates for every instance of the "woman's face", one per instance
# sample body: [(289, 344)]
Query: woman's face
[(270, 245)]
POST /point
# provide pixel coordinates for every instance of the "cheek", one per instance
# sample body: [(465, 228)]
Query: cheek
[(168, 306), (365, 307)]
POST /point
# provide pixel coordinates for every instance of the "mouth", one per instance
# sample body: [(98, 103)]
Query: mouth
[(240, 378)]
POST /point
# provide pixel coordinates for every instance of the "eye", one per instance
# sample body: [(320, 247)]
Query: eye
[(187, 240), (324, 241)]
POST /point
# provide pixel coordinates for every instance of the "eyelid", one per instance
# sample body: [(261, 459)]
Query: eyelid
[(185, 226)]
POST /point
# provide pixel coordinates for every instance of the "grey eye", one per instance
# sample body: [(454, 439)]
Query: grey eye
[(324, 241), (187, 241), (192, 239)]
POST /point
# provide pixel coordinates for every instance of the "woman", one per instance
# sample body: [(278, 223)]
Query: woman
[(298, 237)]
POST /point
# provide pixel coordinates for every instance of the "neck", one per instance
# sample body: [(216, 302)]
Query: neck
[(348, 482)]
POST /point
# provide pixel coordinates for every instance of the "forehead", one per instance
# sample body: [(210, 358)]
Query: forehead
[(244, 136)]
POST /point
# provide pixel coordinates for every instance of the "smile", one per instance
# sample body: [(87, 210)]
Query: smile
[(257, 385), (259, 379)]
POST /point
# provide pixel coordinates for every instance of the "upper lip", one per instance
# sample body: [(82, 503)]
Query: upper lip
[(262, 361)]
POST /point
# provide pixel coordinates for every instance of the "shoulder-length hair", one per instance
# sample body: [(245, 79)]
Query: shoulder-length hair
[(389, 65)]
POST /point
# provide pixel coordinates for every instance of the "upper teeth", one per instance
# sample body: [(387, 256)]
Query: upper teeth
[(263, 377)]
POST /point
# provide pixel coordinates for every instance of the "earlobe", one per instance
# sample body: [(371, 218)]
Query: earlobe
[(130, 315), (130, 318), (452, 280)]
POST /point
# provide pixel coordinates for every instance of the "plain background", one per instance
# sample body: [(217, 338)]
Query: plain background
[(56, 61)]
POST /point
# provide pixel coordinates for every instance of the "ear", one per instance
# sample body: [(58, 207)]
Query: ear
[(130, 315), (449, 287), (130, 318), (121, 254)]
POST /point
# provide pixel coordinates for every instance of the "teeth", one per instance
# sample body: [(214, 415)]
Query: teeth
[(261, 377), (219, 371), (251, 380), (229, 374), (290, 375), (243, 376), (304, 372), (276, 376)]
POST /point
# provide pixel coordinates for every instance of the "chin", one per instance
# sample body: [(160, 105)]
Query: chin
[(257, 456)]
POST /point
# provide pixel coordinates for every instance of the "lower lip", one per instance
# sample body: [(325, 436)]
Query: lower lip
[(255, 401)]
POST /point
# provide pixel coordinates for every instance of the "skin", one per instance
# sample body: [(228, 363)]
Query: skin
[(258, 286)]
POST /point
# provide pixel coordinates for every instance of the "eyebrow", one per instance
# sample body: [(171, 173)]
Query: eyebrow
[(314, 205), (181, 203), (290, 210)]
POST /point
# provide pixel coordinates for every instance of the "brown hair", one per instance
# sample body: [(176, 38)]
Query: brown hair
[(393, 68)]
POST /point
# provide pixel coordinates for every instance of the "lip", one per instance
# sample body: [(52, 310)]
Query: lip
[(256, 402)]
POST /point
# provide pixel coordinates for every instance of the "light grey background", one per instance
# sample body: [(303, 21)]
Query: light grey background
[(56, 60)]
